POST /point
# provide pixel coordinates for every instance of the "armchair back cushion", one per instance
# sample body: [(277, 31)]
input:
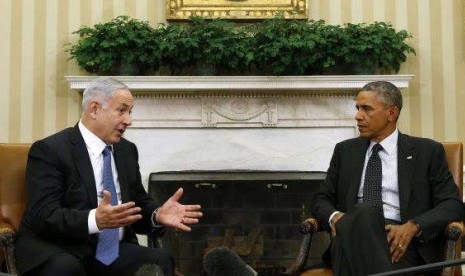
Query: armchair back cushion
[(13, 161)]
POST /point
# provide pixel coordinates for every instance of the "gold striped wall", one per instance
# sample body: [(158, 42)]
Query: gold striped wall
[(37, 102)]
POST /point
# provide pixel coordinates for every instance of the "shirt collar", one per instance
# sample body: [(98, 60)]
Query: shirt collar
[(93, 142), (389, 143)]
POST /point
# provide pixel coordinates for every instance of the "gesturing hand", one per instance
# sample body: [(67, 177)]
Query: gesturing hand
[(108, 216), (174, 214)]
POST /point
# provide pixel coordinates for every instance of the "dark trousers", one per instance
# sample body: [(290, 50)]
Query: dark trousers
[(133, 260), (360, 246)]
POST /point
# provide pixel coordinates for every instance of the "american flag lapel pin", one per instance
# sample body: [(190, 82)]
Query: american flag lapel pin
[(409, 157)]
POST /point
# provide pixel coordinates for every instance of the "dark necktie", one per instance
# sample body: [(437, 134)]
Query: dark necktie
[(108, 242), (373, 177)]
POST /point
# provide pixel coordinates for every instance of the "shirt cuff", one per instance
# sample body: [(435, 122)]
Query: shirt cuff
[(154, 219), (331, 217), (92, 222)]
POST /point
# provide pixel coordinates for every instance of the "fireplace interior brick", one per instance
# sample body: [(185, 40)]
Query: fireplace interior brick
[(241, 201)]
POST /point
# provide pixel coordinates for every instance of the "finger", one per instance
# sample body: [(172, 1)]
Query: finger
[(106, 197), (192, 207), (398, 253), (390, 235), (193, 214), (125, 221), (126, 213), (189, 220), (393, 246), (177, 195), (123, 207), (129, 220), (333, 231), (183, 227)]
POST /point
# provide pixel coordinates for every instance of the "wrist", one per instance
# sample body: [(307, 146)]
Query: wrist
[(337, 215), (155, 216), (417, 226)]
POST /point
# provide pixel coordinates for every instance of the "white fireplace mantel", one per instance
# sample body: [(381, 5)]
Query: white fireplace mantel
[(240, 83), (286, 123)]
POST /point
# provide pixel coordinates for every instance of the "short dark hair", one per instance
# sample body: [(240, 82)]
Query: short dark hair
[(386, 92)]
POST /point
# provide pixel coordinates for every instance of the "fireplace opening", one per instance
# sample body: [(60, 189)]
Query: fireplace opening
[(254, 213)]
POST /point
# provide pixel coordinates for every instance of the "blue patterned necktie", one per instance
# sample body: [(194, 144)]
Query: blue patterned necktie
[(373, 178), (108, 241)]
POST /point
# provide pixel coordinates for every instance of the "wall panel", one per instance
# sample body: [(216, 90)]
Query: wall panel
[(39, 102), (5, 69)]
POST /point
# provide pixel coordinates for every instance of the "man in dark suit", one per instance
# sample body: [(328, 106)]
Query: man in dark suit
[(398, 222), (85, 199)]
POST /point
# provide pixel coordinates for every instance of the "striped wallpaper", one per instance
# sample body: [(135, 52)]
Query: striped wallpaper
[(37, 102)]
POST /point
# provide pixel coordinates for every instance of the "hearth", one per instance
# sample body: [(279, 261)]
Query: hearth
[(255, 213)]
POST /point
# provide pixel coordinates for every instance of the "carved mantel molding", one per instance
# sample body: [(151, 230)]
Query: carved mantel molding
[(244, 83), (244, 101)]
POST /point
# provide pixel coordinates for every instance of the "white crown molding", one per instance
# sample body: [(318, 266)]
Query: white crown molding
[(244, 83)]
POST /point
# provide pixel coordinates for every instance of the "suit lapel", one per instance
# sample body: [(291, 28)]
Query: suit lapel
[(122, 172), (406, 165), (83, 165), (358, 160)]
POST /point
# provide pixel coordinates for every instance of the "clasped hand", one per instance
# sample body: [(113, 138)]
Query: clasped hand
[(399, 238)]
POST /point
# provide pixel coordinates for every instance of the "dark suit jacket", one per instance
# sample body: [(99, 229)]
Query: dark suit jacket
[(427, 190), (61, 191)]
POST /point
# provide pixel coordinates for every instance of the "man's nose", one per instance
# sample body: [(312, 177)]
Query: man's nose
[(358, 115), (127, 119)]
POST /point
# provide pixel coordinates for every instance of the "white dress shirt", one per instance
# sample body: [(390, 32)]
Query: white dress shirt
[(95, 147), (390, 180)]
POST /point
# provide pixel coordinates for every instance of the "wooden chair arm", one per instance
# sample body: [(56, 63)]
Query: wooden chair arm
[(308, 227), (454, 233), (7, 238), (455, 230)]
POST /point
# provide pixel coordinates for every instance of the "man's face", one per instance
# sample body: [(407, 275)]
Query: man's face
[(374, 119), (114, 117)]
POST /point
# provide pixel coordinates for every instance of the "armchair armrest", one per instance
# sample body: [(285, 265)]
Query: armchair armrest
[(308, 227), (454, 233), (7, 238)]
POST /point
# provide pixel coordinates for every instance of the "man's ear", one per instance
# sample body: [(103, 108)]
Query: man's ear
[(94, 108), (393, 114)]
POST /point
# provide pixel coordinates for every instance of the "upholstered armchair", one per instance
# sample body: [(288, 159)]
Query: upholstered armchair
[(13, 159), (453, 232)]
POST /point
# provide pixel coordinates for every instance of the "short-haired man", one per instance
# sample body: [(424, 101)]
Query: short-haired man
[(85, 199), (388, 196)]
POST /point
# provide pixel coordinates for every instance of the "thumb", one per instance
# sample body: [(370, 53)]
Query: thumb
[(106, 197), (177, 195)]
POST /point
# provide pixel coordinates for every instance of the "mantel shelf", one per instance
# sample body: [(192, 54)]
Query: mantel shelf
[(244, 83)]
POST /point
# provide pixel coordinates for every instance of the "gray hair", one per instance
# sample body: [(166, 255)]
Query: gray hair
[(101, 89), (385, 91)]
